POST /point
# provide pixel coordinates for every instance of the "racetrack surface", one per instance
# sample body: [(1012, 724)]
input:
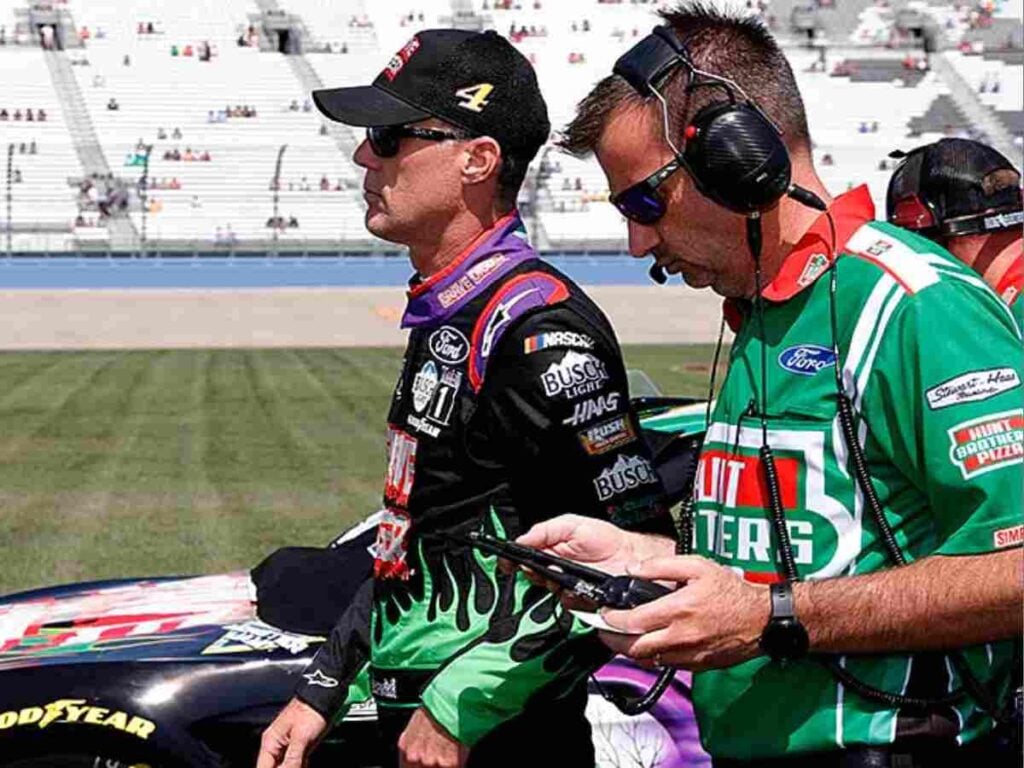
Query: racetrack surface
[(134, 463), (146, 318)]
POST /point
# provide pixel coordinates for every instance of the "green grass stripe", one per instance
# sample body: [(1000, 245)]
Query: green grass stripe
[(116, 464)]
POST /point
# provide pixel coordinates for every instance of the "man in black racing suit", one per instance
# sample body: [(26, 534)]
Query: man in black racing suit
[(512, 406)]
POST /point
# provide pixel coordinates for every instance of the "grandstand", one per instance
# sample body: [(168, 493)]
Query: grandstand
[(178, 128)]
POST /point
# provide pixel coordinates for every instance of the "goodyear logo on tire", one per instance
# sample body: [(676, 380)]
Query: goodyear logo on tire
[(78, 712)]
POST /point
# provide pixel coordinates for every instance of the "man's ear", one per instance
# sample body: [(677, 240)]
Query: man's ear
[(482, 160)]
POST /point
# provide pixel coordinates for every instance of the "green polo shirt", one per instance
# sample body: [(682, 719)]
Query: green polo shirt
[(931, 359)]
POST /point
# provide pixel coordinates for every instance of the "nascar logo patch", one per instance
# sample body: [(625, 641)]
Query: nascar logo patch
[(987, 443)]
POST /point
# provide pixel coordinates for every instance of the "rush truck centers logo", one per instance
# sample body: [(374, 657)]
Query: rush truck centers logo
[(987, 443)]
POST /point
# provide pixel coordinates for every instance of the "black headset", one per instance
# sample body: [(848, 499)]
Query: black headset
[(736, 157), (731, 149)]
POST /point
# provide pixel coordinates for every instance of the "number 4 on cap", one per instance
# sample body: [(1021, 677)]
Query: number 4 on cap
[(475, 96)]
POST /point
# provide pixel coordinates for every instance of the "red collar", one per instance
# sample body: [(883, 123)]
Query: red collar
[(417, 289), (809, 258)]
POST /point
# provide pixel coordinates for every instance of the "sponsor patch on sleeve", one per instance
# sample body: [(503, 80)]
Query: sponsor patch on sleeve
[(972, 387), (987, 443), (1008, 537), (607, 435), (570, 339)]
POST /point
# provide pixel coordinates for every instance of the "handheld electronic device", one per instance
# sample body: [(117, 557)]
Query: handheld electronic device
[(607, 591)]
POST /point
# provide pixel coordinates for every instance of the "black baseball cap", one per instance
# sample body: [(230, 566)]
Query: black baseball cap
[(954, 187), (474, 80)]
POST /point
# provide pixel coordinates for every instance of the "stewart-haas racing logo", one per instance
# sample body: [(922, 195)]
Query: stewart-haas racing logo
[(987, 443), (77, 712), (626, 473), (576, 374)]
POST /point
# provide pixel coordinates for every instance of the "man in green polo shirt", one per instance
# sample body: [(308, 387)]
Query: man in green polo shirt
[(819, 635)]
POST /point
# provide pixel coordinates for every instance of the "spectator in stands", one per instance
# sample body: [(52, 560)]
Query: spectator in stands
[(21, 149), (205, 51), (174, 50), (41, 116), (294, 106), (205, 156), (3, 114), (32, 147), (17, 175), (176, 133), (17, 115), (188, 157), (112, 105), (3, 35), (293, 223), (28, 116), (307, 105), (149, 28), (196, 202), (325, 183), (188, 50), (126, 61)]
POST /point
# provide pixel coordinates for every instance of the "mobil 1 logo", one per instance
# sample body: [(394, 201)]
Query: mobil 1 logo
[(434, 393)]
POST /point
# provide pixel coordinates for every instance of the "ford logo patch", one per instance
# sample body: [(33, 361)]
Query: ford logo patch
[(806, 359), (449, 345)]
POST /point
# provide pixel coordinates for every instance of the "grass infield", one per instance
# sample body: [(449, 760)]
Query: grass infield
[(120, 464)]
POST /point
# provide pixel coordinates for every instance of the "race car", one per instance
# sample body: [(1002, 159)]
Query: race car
[(186, 672)]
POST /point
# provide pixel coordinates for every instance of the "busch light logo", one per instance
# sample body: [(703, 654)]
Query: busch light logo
[(423, 386), (807, 359), (448, 345), (626, 473), (576, 374)]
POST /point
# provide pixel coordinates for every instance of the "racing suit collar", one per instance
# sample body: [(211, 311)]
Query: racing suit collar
[(492, 254), (809, 258)]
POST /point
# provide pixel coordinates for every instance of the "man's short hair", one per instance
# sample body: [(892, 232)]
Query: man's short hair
[(721, 42)]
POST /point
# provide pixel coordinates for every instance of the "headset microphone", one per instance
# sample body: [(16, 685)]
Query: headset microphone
[(657, 274), (806, 197)]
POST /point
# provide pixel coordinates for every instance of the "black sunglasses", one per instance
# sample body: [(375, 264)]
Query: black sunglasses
[(385, 139), (642, 202)]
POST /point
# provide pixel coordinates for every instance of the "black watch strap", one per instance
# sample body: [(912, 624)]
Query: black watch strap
[(784, 638), (782, 601)]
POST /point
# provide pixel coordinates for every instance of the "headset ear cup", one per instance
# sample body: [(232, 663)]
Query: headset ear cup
[(737, 158)]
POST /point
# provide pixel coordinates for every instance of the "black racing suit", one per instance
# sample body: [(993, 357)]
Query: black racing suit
[(512, 407)]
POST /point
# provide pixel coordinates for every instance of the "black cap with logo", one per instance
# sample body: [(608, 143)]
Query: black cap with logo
[(474, 80), (954, 187)]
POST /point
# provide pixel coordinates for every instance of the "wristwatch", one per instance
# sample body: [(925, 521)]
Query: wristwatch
[(784, 637)]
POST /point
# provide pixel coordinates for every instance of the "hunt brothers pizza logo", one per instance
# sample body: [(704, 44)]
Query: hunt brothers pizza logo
[(987, 443)]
